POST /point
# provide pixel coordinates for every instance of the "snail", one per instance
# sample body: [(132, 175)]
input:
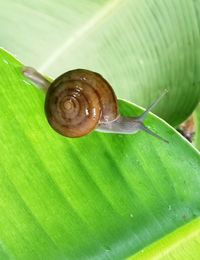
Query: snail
[(80, 101)]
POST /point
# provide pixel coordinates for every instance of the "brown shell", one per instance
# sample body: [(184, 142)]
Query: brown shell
[(78, 100)]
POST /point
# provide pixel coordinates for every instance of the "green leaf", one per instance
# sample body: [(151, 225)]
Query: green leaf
[(183, 243), (141, 47), (103, 196)]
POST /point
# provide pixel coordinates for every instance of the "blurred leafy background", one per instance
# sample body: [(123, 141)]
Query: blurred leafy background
[(102, 196), (141, 47)]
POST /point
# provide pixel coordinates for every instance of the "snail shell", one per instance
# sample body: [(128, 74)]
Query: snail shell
[(78, 101)]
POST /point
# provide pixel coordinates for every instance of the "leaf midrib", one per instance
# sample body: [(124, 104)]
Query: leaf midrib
[(80, 32)]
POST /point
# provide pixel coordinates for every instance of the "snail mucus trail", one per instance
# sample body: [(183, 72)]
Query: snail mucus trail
[(80, 101)]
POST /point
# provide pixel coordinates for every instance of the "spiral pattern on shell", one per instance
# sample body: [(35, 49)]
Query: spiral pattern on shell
[(79, 100)]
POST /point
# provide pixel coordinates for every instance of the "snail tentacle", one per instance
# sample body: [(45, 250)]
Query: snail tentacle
[(155, 102)]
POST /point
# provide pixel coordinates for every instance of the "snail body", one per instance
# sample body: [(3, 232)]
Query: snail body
[(80, 101)]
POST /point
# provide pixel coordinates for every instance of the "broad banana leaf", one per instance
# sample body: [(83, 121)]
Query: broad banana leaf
[(103, 196)]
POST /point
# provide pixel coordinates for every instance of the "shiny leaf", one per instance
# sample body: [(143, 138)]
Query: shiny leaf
[(101, 196)]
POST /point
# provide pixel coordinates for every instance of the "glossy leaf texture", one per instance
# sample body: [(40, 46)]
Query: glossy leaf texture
[(142, 47), (183, 244), (103, 196)]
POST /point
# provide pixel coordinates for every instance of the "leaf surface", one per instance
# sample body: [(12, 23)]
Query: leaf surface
[(103, 196)]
